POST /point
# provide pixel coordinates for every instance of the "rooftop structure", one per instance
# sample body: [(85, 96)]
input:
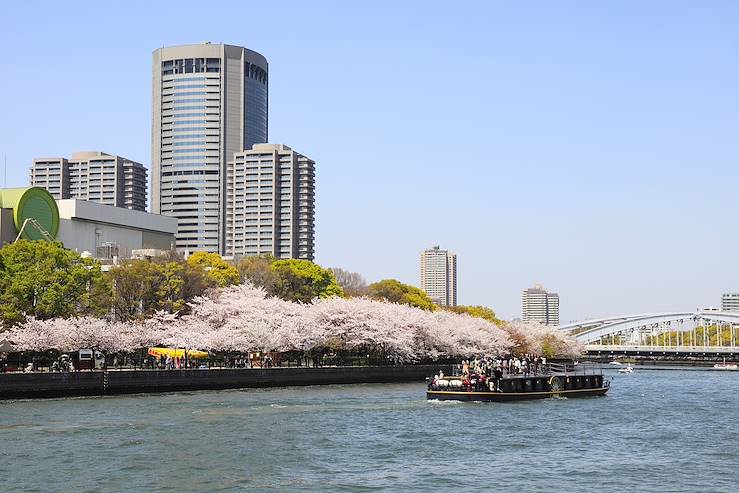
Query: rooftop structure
[(106, 232)]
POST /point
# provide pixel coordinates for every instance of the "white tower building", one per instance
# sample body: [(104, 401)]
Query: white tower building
[(439, 276), (539, 305)]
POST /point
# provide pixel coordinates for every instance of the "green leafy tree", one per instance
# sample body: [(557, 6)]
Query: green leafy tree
[(396, 292), (257, 270), (302, 280), (180, 283), (141, 287), (220, 271), (46, 280), (136, 284), (476, 311)]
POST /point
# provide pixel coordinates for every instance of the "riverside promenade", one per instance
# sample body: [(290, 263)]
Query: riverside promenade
[(110, 382)]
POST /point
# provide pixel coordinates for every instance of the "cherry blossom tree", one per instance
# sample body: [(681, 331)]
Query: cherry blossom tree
[(70, 334), (535, 338), (244, 318)]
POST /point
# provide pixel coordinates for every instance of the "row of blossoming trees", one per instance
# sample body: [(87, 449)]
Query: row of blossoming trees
[(242, 318)]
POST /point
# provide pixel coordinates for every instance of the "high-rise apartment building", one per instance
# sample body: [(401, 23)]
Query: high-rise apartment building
[(93, 176), (51, 174), (209, 101), (439, 276), (270, 203), (730, 302), (539, 305)]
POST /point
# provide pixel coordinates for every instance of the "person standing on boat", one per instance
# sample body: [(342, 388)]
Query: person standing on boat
[(498, 373), (466, 383), (482, 382)]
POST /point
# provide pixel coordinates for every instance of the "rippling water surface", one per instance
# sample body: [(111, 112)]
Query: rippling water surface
[(656, 431)]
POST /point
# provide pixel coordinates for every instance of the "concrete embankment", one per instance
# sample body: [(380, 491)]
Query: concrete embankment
[(41, 385)]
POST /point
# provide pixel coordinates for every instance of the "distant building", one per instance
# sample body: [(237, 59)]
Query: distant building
[(270, 203), (439, 276), (730, 302), (539, 305), (112, 233), (107, 233), (93, 176), (51, 174), (209, 101)]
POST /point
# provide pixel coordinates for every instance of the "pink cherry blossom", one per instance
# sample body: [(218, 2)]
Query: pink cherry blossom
[(243, 318)]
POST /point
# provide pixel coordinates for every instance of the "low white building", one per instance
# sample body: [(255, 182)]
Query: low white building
[(110, 233)]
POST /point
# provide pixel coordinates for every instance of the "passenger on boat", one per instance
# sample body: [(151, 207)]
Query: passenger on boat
[(439, 378), (498, 374), (482, 382), (467, 384)]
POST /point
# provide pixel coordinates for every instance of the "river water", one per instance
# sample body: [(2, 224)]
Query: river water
[(656, 431)]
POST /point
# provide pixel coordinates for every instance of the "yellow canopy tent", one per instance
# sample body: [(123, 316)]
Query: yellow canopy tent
[(177, 353)]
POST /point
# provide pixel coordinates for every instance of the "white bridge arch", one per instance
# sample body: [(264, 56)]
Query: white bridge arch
[(593, 331)]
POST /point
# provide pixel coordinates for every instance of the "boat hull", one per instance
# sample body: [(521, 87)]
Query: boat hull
[(460, 395)]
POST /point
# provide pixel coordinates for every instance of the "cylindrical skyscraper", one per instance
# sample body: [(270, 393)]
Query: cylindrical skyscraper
[(208, 102)]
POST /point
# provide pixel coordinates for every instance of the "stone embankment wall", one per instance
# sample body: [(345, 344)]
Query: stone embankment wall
[(40, 385)]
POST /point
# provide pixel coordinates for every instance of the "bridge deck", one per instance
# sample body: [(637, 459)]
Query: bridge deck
[(656, 350)]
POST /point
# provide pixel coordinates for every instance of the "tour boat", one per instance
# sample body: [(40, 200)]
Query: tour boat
[(725, 366), (520, 387)]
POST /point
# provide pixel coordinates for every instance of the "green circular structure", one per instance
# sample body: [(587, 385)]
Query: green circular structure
[(33, 202)]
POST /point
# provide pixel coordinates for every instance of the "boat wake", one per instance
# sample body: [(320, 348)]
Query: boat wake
[(442, 402), (558, 397)]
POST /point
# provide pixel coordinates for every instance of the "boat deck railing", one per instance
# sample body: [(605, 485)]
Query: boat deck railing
[(558, 368), (551, 368), (543, 370)]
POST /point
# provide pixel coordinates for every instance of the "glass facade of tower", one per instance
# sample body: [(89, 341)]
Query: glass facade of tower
[(190, 149), (256, 105), (209, 102)]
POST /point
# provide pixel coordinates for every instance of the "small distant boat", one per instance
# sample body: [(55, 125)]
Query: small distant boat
[(617, 363), (626, 369), (725, 366)]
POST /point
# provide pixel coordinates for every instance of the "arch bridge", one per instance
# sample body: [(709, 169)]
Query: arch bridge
[(712, 332)]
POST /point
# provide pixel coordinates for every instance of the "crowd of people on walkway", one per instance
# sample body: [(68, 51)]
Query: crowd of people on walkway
[(166, 363)]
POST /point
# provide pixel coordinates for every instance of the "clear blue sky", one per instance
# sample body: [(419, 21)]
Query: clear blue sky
[(588, 146)]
